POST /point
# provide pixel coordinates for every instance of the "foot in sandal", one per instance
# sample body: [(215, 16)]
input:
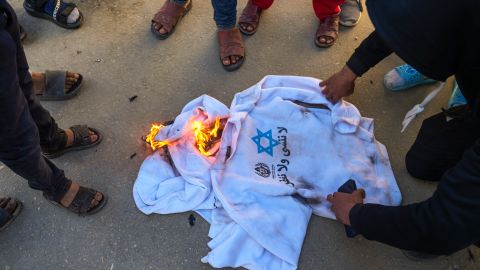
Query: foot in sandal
[(404, 77), (232, 50), (167, 18), (327, 31), (63, 14), (56, 85), (9, 209), (250, 18), (75, 138), (79, 200)]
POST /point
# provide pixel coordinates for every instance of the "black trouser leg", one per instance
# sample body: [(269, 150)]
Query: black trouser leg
[(20, 113), (440, 145)]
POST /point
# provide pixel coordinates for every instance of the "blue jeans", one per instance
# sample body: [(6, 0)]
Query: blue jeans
[(224, 12)]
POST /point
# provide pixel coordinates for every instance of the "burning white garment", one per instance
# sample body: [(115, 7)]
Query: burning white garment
[(287, 148)]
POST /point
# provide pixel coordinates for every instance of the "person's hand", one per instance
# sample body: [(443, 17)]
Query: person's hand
[(340, 84), (342, 203)]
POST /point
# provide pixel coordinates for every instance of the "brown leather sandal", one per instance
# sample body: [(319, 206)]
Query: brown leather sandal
[(79, 200), (250, 17), (231, 44), (168, 16), (327, 29)]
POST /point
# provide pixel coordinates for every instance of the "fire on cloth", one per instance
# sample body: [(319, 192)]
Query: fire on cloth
[(283, 149)]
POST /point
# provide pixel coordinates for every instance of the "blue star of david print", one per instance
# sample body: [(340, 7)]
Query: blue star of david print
[(271, 142)]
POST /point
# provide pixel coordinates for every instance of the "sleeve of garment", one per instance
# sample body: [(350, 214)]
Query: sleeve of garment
[(445, 223), (371, 51)]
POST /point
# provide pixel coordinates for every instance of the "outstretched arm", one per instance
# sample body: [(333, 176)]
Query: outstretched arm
[(368, 54)]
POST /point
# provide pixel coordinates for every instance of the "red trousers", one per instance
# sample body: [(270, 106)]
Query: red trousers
[(323, 8)]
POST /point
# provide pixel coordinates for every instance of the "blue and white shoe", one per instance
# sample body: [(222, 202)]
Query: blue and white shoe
[(457, 98), (404, 77)]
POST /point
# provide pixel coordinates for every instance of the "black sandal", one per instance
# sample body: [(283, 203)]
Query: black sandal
[(5, 217), (81, 141), (55, 86), (78, 200), (60, 13)]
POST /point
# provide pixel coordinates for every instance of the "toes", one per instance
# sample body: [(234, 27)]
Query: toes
[(94, 203), (71, 81), (96, 200), (99, 196), (233, 59), (73, 75), (3, 202), (250, 28), (11, 205), (93, 136), (226, 61), (321, 39), (162, 30)]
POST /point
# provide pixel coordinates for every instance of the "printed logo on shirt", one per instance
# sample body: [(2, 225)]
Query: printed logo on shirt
[(279, 169), (262, 170), (265, 142)]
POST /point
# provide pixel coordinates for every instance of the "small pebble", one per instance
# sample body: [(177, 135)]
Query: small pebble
[(132, 98), (191, 220)]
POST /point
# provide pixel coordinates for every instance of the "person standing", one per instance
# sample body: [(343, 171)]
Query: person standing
[(29, 134)]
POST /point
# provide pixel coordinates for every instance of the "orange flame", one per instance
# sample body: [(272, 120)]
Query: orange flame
[(151, 137), (204, 135)]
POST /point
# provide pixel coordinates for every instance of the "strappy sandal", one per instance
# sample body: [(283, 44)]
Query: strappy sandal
[(250, 17), (329, 30), (59, 15), (55, 86), (168, 16), (81, 141), (231, 44), (6, 218), (79, 200)]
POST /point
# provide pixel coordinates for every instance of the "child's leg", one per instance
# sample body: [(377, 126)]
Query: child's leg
[(326, 8), (263, 4)]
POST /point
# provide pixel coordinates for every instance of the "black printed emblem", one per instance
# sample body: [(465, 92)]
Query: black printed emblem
[(262, 169)]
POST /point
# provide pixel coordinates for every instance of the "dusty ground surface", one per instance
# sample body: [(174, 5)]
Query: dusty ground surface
[(119, 58)]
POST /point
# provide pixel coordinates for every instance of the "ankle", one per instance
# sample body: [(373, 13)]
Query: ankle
[(38, 83), (224, 28)]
